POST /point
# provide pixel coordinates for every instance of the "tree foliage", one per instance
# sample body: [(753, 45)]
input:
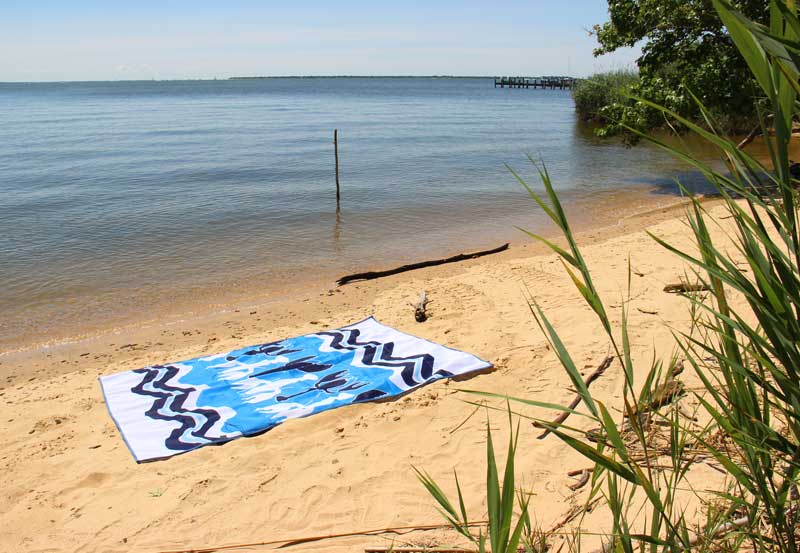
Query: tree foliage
[(686, 50)]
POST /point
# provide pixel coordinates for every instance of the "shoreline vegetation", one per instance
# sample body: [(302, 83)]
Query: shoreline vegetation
[(688, 58), (600, 91), (610, 101)]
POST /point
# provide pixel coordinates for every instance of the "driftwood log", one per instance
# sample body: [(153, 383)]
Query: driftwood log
[(420, 315), (575, 402), (432, 263)]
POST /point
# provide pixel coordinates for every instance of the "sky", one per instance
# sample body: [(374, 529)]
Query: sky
[(74, 40)]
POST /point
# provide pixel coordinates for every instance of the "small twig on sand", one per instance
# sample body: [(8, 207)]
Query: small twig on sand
[(289, 542), (462, 423), (749, 138), (664, 395), (584, 478), (575, 402), (572, 514), (420, 549), (719, 532), (683, 287), (420, 315)]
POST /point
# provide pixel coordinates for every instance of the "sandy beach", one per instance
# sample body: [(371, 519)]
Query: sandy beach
[(69, 483)]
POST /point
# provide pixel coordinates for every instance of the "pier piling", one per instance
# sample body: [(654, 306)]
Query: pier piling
[(551, 83)]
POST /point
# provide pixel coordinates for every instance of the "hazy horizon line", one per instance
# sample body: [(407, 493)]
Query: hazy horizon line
[(264, 77)]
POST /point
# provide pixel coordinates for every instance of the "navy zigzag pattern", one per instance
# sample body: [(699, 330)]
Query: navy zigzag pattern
[(348, 340), (164, 393)]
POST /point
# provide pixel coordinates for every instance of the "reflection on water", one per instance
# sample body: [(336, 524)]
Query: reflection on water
[(337, 232), (121, 199)]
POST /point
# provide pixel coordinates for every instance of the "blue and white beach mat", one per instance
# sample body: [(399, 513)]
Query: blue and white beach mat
[(164, 410)]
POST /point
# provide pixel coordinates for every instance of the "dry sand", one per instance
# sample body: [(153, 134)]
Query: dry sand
[(68, 483)]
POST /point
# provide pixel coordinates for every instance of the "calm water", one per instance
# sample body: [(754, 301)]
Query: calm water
[(117, 199)]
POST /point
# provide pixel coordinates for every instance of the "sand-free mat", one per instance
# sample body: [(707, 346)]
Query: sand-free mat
[(164, 410)]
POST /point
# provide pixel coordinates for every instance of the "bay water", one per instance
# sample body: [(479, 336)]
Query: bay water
[(122, 199)]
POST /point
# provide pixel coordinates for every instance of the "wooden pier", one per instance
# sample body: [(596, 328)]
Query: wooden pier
[(551, 83)]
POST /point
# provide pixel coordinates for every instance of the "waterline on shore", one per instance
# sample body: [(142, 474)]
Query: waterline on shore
[(598, 220), (127, 202)]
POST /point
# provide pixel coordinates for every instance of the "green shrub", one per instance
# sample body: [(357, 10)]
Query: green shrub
[(609, 100), (593, 94), (685, 47)]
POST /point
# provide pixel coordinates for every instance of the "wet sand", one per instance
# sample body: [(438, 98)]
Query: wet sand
[(278, 295)]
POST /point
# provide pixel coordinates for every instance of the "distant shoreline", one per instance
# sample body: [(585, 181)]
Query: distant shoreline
[(362, 77), (258, 78)]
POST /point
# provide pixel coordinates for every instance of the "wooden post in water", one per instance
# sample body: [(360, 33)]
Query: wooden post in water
[(336, 154)]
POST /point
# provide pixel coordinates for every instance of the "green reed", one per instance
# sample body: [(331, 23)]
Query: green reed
[(748, 360), (500, 500)]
